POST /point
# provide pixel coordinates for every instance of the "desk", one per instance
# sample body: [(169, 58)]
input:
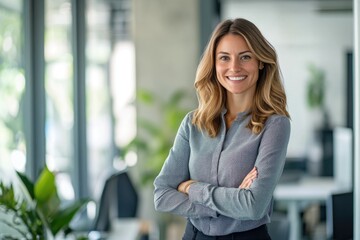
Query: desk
[(306, 190), (126, 229), (123, 229), (132, 229)]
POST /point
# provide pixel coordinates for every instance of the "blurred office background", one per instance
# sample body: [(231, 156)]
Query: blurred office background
[(81, 79)]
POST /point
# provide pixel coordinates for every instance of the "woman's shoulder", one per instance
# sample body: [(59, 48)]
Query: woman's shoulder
[(278, 119), (187, 126), (188, 116), (278, 116), (187, 120)]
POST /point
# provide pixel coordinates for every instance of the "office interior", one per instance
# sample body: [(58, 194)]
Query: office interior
[(80, 80)]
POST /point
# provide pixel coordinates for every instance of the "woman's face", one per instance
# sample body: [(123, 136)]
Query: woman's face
[(237, 68)]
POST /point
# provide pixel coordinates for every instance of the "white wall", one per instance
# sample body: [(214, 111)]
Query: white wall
[(301, 35), (167, 39)]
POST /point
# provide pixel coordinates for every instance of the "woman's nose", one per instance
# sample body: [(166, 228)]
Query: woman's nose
[(235, 65)]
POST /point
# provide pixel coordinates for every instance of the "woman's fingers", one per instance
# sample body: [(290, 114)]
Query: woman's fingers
[(248, 180), (184, 186), (252, 174), (181, 187), (247, 183)]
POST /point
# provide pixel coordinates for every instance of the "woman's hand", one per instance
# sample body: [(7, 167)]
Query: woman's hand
[(184, 186), (248, 180)]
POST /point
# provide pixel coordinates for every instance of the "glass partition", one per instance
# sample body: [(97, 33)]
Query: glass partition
[(59, 93), (12, 87), (109, 82), (110, 88)]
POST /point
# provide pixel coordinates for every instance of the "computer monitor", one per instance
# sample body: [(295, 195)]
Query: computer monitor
[(340, 222)]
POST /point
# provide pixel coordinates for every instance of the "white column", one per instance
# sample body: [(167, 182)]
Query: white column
[(356, 120)]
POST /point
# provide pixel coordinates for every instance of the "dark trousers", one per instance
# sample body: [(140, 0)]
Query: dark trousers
[(259, 233)]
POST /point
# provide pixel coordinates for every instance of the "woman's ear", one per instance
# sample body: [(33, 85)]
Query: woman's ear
[(261, 65)]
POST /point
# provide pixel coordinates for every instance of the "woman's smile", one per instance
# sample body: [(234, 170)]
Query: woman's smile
[(233, 78)]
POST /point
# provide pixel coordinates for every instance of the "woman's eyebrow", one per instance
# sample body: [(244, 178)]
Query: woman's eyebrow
[(222, 52), (247, 51)]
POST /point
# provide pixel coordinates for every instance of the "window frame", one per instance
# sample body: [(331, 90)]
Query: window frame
[(35, 104)]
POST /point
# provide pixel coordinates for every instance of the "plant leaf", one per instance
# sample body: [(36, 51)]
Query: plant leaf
[(176, 98), (28, 184), (48, 201), (64, 216), (7, 196), (149, 127), (173, 118), (145, 96), (45, 186)]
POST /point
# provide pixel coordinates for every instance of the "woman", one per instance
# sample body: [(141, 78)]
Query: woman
[(229, 153)]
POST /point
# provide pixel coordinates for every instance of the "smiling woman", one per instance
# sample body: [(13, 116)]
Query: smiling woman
[(229, 153), (235, 43)]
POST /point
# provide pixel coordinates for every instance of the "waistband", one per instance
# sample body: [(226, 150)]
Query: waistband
[(259, 233)]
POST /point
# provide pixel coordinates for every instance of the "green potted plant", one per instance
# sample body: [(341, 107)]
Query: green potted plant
[(155, 137), (321, 155), (36, 212), (316, 93)]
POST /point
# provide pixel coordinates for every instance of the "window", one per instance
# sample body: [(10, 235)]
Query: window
[(59, 93), (109, 91), (12, 86), (110, 88)]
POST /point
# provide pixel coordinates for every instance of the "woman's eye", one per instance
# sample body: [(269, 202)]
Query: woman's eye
[(245, 57), (224, 58)]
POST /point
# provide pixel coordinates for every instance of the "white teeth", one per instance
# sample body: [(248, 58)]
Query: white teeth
[(236, 78)]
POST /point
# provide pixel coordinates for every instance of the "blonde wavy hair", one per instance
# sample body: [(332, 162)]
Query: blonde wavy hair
[(269, 96)]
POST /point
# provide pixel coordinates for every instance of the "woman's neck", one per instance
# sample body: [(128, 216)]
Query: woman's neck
[(236, 105)]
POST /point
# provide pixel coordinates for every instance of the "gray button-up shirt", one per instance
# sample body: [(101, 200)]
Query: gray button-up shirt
[(215, 204)]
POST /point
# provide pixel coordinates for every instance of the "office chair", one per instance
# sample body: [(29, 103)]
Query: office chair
[(340, 223), (279, 227), (119, 199)]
